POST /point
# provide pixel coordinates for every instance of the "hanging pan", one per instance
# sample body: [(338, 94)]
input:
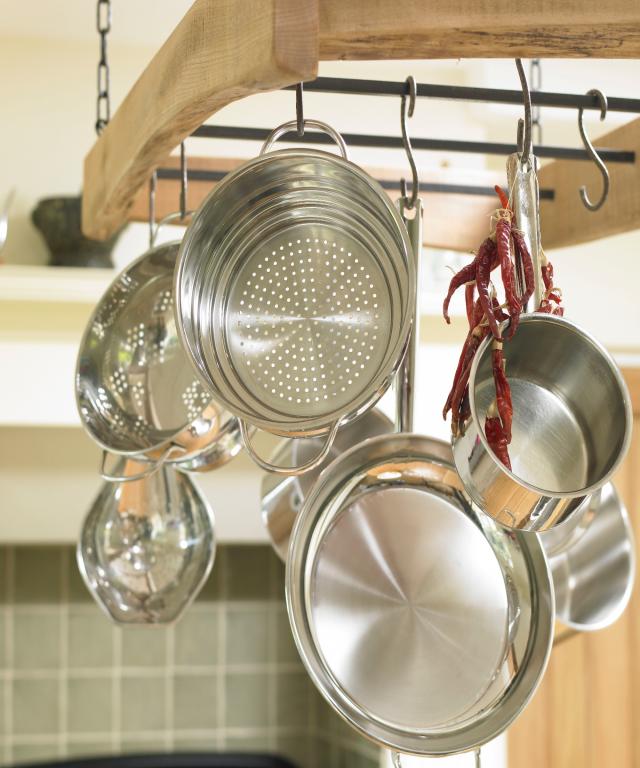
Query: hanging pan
[(423, 623), (136, 392), (294, 293)]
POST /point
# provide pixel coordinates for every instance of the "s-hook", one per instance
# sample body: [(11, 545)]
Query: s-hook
[(524, 138), (593, 154), (409, 201)]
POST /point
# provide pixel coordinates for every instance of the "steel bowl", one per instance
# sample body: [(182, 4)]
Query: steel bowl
[(422, 622), (282, 497), (571, 425), (593, 577)]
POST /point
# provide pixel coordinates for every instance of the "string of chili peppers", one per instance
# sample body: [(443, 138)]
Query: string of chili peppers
[(486, 315)]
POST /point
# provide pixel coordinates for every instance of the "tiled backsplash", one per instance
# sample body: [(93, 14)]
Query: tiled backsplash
[(226, 677)]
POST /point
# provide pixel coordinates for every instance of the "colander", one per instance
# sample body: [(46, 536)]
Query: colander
[(295, 290), (136, 392)]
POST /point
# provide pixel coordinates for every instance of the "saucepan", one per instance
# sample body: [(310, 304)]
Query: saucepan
[(571, 425), (136, 392), (593, 572), (282, 497), (424, 624), (295, 290)]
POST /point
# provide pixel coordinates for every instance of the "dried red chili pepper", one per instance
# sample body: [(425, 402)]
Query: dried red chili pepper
[(483, 274), (503, 243), (469, 292), (503, 390), (504, 200), (468, 273), (460, 387), (497, 440)]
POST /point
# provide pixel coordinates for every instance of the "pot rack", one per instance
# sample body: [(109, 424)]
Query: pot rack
[(223, 50)]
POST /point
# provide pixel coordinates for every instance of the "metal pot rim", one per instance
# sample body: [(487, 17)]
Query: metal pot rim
[(537, 317)]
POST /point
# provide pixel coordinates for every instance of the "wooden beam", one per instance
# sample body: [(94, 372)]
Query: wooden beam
[(439, 231), (221, 51), (621, 211), (451, 29)]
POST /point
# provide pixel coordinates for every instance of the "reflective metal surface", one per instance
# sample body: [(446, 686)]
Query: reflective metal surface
[(294, 291), (422, 622), (147, 547), (571, 425), (282, 497), (135, 388), (593, 577)]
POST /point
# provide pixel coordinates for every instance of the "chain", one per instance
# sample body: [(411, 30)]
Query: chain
[(535, 84), (103, 106)]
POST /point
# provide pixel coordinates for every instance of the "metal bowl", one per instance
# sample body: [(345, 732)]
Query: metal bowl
[(593, 578), (135, 388), (282, 497), (571, 425), (423, 623)]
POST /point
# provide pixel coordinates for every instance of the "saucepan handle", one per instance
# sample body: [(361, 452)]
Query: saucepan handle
[(154, 466), (313, 464), (292, 126)]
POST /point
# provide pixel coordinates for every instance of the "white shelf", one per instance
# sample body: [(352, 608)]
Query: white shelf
[(65, 285)]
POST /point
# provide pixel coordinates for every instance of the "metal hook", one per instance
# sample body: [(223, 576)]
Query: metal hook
[(526, 97), (593, 154), (404, 113), (153, 183), (183, 181), (299, 111)]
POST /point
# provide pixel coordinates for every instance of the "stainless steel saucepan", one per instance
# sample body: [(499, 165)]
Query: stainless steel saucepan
[(282, 497), (571, 425), (593, 573), (423, 623), (295, 290), (136, 392)]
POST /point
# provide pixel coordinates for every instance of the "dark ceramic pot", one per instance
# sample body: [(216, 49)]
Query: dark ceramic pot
[(59, 220)]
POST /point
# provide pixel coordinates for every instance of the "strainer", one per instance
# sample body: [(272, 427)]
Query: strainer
[(136, 392), (295, 291)]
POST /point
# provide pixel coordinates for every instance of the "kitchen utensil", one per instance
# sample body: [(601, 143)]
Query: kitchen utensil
[(295, 292), (147, 547), (571, 425), (135, 389), (423, 623), (593, 577), (282, 497)]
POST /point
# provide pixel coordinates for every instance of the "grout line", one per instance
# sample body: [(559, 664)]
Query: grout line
[(221, 679), (116, 690), (63, 670), (169, 692), (8, 640), (272, 679)]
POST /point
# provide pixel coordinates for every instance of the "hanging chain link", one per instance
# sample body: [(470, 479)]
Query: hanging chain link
[(535, 84), (103, 106)]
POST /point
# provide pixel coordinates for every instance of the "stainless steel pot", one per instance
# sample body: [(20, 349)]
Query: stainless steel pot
[(593, 577), (571, 425), (422, 622), (282, 497), (136, 392), (295, 290)]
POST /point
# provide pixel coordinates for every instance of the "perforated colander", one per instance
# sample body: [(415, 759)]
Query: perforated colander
[(135, 389), (294, 291)]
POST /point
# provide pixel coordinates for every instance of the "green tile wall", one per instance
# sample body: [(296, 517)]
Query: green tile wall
[(226, 677)]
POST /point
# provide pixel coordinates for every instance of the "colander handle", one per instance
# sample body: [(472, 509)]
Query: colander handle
[(176, 216), (292, 125), (154, 466), (246, 439)]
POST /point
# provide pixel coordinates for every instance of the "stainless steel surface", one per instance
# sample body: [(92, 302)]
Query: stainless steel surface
[(571, 425), (282, 497), (564, 535), (135, 388), (295, 291), (406, 379), (4, 217), (147, 547), (593, 577), (525, 201), (422, 622)]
